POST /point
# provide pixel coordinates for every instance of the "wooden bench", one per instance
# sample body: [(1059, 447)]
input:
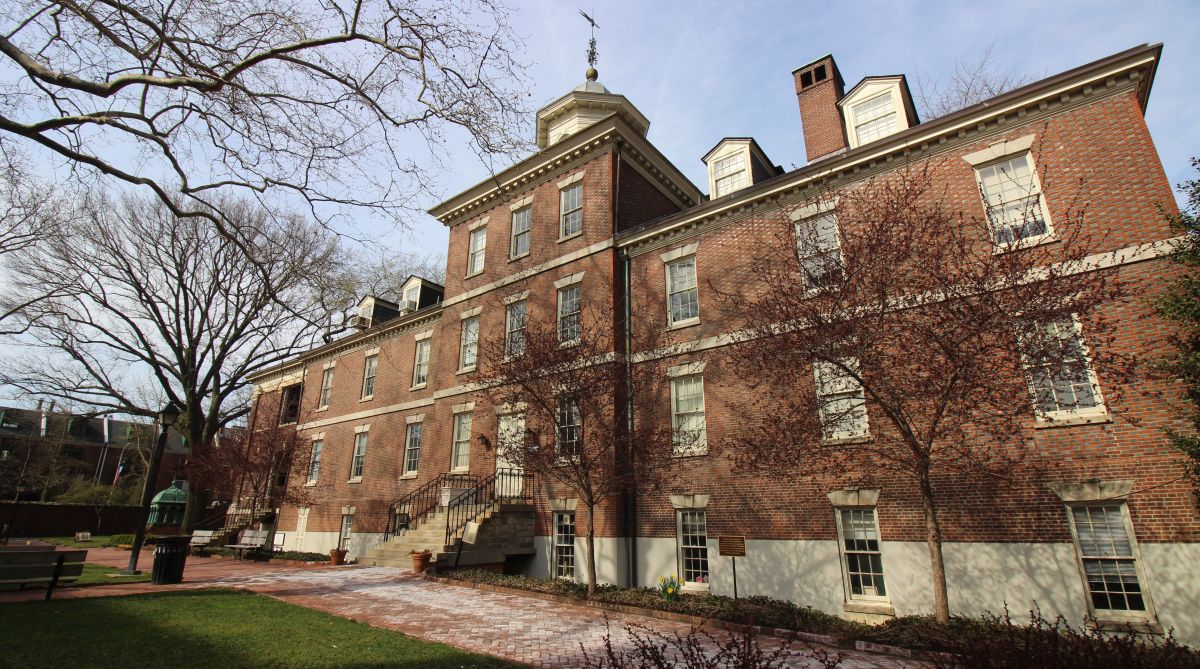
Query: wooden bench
[(27, 565), (202, 539), (250, 540)]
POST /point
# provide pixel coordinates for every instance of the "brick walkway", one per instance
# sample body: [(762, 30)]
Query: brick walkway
[(532, 631)]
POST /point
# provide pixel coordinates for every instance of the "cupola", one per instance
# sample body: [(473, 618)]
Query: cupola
[(585, 105)]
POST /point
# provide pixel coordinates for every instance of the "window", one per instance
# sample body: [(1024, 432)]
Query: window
[(421, 363), (862, 563), (693, 546), (569, 326), (874, 118), (1062, 380), (687, 415), (840, 400), (314, 460), (1105, 546), (289, 404), (521, 221), (359, 458), (730, 174), (683, 301), (819, 250), (569, 426), (412, 294), (344, 534), (564, 545), (368, 387), (412, 448), (468, 346), (460, 452), (476, 245), (326, 388), (514, 329), (571, 200), (1012, 198)]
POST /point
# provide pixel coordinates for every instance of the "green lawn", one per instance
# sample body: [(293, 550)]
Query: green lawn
[(94, 574), (210, 628), (96, 542)]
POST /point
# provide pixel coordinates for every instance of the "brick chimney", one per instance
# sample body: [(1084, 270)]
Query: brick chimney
[(819, 86)]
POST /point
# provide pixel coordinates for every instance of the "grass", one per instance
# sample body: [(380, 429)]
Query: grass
[(212, 628), (96, 574), (69, 542)]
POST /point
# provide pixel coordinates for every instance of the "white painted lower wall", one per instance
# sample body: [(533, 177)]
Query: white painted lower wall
[(323, 542), (981, 577)]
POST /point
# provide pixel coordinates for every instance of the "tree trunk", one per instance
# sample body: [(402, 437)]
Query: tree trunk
[(933, 537), (591, 550)]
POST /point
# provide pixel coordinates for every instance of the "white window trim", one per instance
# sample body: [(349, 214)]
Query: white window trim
[(309, 481), (523, 329), (462, 368), (465, 409), (360, 429), (410, 421), (840, 437), (692, 450), (558, 294), (562, 186), (322, 400), (1110, 616), (686, 322), (483, 262), (555, 545), (428, 361), (512, 233), (1003, 151), (1090, 415), (362, 390), (797, 221), (880, 604), (691, 586)]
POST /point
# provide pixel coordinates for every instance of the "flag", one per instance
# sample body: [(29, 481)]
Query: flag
[(117, 475)]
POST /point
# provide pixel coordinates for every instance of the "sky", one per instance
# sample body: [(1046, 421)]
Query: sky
[(703, 70)]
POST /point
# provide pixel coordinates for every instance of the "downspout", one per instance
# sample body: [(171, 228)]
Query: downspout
[(630, 505)]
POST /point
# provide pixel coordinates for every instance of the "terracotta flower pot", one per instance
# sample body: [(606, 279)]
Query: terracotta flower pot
[(337, 556), (421, 560)]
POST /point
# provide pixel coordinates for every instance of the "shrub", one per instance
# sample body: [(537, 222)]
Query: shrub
[(300, 555), (668, 588), (698, 649)]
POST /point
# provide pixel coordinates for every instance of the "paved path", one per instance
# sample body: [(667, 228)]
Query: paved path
[(536, 632)]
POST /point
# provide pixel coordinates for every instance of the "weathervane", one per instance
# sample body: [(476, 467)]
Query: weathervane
[(591, 50)]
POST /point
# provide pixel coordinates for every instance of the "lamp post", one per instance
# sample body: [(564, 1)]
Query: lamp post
[(166, 418)]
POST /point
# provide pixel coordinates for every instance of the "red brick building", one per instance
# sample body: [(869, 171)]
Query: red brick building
[(599, 216)]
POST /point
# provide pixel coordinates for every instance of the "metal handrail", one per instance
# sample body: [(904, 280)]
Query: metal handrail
[(409, 510), (505, 485)]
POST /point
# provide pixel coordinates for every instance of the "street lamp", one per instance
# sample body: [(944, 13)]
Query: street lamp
[(166, 418)]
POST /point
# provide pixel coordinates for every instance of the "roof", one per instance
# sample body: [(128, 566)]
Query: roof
[(175, 494), (903, 137), (83, 429)]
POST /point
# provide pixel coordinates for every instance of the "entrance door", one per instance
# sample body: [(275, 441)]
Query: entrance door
[(509, 475)]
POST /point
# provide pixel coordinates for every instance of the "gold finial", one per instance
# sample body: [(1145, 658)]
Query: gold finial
[(592, 54)]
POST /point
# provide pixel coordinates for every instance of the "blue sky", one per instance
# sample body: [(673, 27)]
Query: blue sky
[(701, 71)]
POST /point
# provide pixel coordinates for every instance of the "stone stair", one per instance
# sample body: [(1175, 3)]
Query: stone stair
[(504, 530)]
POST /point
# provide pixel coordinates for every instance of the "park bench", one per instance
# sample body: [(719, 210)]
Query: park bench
[(250, 540), (202, 539), (27, 565)]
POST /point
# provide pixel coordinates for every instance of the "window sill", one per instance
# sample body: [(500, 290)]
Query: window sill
[(1026, 243), (569, 344), (368, 398), (870, 608), (1137, 625), (695, 587), (356, 479), (564, 460), (290, 422), (320, 409), (466, 370), (460, 470), (839, 441), (686, 323), (473, 274), (310, 484), (516, 258), (1067, 420), (408, 475), (569, 237), (690, 453), (419, 386)]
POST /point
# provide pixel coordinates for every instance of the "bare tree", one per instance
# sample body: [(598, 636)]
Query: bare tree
[(146, 307), (29, 210), (578, 429), (908, 354), (327, 102), (971, 82)]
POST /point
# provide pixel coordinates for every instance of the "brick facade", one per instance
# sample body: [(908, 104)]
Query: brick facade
[(1094, 156)]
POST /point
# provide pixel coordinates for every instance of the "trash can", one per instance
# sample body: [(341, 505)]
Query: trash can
[(170, 554)]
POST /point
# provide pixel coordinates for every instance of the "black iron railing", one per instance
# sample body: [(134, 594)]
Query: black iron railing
[(408, 511), (506, 485)]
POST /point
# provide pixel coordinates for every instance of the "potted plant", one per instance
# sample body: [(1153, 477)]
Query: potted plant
[(337, 556), (421, 560)]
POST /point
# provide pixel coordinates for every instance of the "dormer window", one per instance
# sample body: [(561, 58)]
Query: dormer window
[(730, 174), (874, 118)]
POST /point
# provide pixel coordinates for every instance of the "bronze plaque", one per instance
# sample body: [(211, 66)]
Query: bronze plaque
[(731, 546)]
